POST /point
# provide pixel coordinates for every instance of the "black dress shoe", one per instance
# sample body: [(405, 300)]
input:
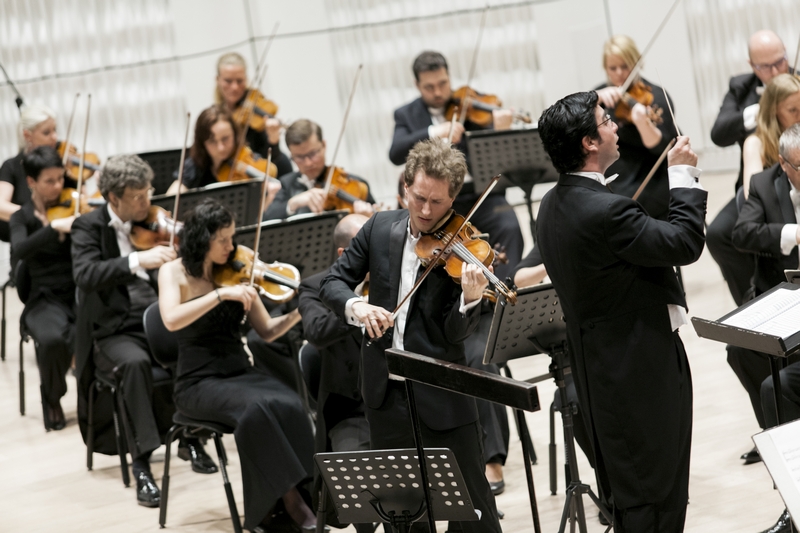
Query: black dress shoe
[(603, 520), (54, 418), (201, 462), (783, 525), (497, 487), (751, 457), (147, 493)]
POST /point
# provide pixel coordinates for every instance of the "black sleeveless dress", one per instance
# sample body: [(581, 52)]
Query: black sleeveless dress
[(216, 382)]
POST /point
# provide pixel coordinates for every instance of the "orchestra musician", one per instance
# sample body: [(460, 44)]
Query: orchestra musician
[(37, 127), (303, 191), (735, 122), (116, 285), (215, 380), (434, 322), (44, 246), (643, 135), (424, 118), (612, 266), (230, 92)]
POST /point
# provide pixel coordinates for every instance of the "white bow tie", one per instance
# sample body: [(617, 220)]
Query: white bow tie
[(119, 225)]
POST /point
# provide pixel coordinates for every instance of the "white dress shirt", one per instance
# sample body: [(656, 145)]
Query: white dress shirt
[(789, 231), (123, 231)]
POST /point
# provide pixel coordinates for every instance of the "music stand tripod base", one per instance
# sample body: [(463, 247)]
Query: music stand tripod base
[(385, 486)]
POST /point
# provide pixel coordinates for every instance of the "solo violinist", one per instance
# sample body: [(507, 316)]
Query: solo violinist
[(434, 322), (424, 118), (231, 92), (44, 246), (303, 191), (644, 130)]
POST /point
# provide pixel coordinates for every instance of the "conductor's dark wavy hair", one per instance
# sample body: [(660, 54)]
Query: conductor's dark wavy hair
[(563, 126), (200, 226)]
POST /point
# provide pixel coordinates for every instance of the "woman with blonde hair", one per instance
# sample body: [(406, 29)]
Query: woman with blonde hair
[(779, 108), (644, 131)]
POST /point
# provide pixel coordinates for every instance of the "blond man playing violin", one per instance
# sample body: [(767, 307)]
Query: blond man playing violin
[(434, 322)]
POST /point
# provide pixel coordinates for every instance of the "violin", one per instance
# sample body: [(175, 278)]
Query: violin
[(479, 107), (157, 229), (248, 166), (65, 207), (262, 109), (638, 93), (277, 281), (344, 191), (465, 248), (91, 163)]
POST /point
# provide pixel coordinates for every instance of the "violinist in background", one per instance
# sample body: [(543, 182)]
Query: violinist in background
[(303, 191), (231, 91), (644, 130), (424, 118), (37, 127), (44, 246)]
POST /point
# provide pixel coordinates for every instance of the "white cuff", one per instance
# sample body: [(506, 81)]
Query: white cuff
[(133, 262), (463, 308), (431, 135), (788, 238), (684, 176), (289, 210), (348, 312), (749, 115)]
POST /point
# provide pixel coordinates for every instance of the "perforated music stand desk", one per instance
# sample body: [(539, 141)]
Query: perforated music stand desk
[(305, 241), (358, 481), (164, 164), (242, 198)]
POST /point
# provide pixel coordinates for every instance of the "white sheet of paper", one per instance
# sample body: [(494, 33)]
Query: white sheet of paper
[(777, 314), (780, 449)]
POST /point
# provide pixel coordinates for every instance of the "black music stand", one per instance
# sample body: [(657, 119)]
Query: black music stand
[(164, 164), (305, 241), (518, 154), (536, 325), (779, 349), (387, 486), (242, 198)]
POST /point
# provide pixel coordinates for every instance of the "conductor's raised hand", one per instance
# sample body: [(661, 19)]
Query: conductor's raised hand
[(473, 282), (681, 153), (239, 293), (376, 320)]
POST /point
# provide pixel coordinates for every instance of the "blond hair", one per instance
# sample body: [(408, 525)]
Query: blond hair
[(31, 116), (768, 129), (622, 46), (231, 59)]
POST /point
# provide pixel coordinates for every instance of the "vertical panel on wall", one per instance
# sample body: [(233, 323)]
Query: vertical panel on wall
[(507, 66), (133, 109)]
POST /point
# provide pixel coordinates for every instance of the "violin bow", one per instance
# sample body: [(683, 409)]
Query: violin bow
[(180, 180), (446, 245), (638, 66), (669, 106), (69, 130), (452, 131), (331, 169), (266, 50), (472, 68), (258, 223), (83, 156)]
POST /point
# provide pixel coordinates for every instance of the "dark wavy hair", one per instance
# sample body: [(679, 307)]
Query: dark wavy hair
[(200, 225), (38, 159), (563, 126)]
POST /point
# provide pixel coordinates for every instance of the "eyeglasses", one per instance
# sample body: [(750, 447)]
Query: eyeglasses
[(309, 156), (605, 120), (796, 169), (769, 66), (140, 196)]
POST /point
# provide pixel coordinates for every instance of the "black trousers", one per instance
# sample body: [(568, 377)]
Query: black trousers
[(390, 427), (495, 218), (737, 267), (148, 412), (790, 390), (53, 331)]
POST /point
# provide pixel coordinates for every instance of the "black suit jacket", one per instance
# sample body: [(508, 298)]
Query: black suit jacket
[(291, 186), (101, 276), (758, 230), (612, 266), (434, 325)]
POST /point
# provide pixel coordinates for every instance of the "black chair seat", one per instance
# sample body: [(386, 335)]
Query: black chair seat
[(211, 427)]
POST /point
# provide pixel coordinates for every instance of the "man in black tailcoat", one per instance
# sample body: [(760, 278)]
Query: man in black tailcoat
[(612, 266)]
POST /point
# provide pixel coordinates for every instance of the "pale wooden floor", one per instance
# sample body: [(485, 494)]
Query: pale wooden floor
[(44, 484)]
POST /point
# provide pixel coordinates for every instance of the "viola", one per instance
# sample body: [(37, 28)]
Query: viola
[(156, 229), (344, 191), (91, 163), (65, 207), (638, 93), (277, 281), (479, 107), (248, 166), (262, 109), (465, 248)]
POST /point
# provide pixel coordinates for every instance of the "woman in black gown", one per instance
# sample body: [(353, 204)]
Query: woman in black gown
[(215, 380)]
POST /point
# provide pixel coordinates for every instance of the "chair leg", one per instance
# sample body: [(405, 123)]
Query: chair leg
[(90, 426), (237, 525), (162, 508), (3, 326), (552, 448), (118, 434), (21, 371)]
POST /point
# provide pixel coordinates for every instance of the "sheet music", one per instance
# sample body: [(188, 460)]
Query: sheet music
[(777, 314), (780, 449)]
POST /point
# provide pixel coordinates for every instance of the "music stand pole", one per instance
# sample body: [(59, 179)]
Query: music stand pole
[(423, 469)]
